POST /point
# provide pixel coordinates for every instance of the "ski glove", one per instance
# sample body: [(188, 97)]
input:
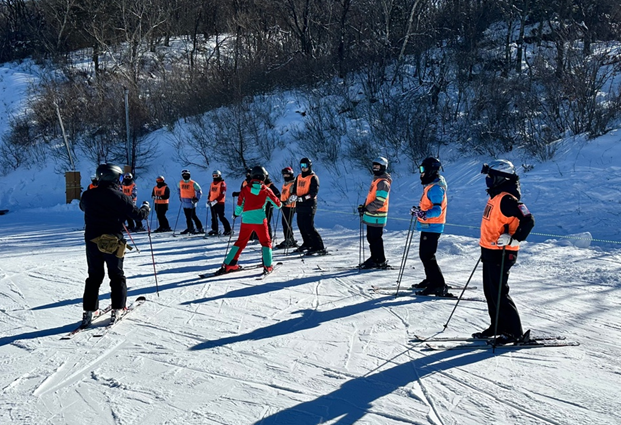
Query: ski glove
[(146, 206), (236, 194), (303, 198), (212, 203), (361, 209), (417, 212), (506, 240), (194, 200), (292, 199)]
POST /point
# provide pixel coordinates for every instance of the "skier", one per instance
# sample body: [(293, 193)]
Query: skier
[(506, 222), (244, 183), (189, 194), (161, 197), (288, 209), (94, 182), (268, 207), (217, 196), (430, 216), (374, 213), (129, 189), (251, 206), (306, 188), (105, 209)]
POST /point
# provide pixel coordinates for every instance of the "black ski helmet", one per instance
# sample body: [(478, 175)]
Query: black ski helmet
[(287, 170), (109, 173), (259, 173), (185, 174), (429, 169), (306, 161)]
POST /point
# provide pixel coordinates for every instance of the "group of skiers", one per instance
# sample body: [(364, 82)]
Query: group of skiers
[(505, 223)]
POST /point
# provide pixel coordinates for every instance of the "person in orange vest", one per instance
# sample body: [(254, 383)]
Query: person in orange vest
[(243, 183), (251, 207), (506, 222), (94, 182), (374, 213), (161, 198), (217, 196), (288, 209), (305, 189), (129, 188), (430, 216), (190, 193)]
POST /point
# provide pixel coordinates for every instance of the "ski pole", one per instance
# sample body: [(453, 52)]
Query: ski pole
[(230, 236), (360, 247), (149, 227), (130, 237), (406, 252), (502, 274), (462, 294), (157, 289), (287, 221), (276, 227), (177, 220)]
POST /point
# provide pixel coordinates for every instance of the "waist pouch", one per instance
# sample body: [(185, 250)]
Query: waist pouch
[(110, 244)]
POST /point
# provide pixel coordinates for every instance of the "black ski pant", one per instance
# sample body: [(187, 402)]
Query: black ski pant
[(306, 224), (269, 212), (118, 286), (160, 210), (287, 222), (190, 215), (217, 212), (427, 252), (509, 322), (376, 244)]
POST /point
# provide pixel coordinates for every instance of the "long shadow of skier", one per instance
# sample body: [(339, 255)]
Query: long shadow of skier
[(352, 400), (308, 319)]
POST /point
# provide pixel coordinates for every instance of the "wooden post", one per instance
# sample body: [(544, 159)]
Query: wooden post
[(73, 185)]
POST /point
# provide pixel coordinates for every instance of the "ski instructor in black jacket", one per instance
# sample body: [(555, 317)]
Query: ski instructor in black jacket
[(105, 210)]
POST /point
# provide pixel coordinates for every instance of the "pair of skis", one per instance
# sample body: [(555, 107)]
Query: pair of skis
[(241, 269), (100, 316), (409, 291), (470, 343)]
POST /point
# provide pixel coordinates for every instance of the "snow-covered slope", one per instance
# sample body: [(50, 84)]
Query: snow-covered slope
[(306, 346)]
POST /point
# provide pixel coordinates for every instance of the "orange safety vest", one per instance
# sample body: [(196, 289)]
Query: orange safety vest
[(92, 186), (372, 195), (285, 193), (128, 190), (495, 223), (425, 204), (159, 191), (215, 191), (187, 189), (303, 186)]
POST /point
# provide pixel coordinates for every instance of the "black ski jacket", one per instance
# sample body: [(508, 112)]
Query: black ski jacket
[(105, 209)]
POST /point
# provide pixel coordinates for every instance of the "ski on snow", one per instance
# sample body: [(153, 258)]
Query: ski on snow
[(133, 306), (409, 288), (241, 269), (96, 318), (266, 274), (356, 268), (443, 339), (408, 292), (487, 345)]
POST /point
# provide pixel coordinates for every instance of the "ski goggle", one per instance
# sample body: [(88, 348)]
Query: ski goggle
[(421, 168), (303, 165), (215, 176)]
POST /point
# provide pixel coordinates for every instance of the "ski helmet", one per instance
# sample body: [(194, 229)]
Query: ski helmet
[(159, 179), (307, 162), (498, 172), (259, 173), (217, 173), (382, 162), (287, 170), (128, 176), (185, 173), (429, 169), (109, 173)]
